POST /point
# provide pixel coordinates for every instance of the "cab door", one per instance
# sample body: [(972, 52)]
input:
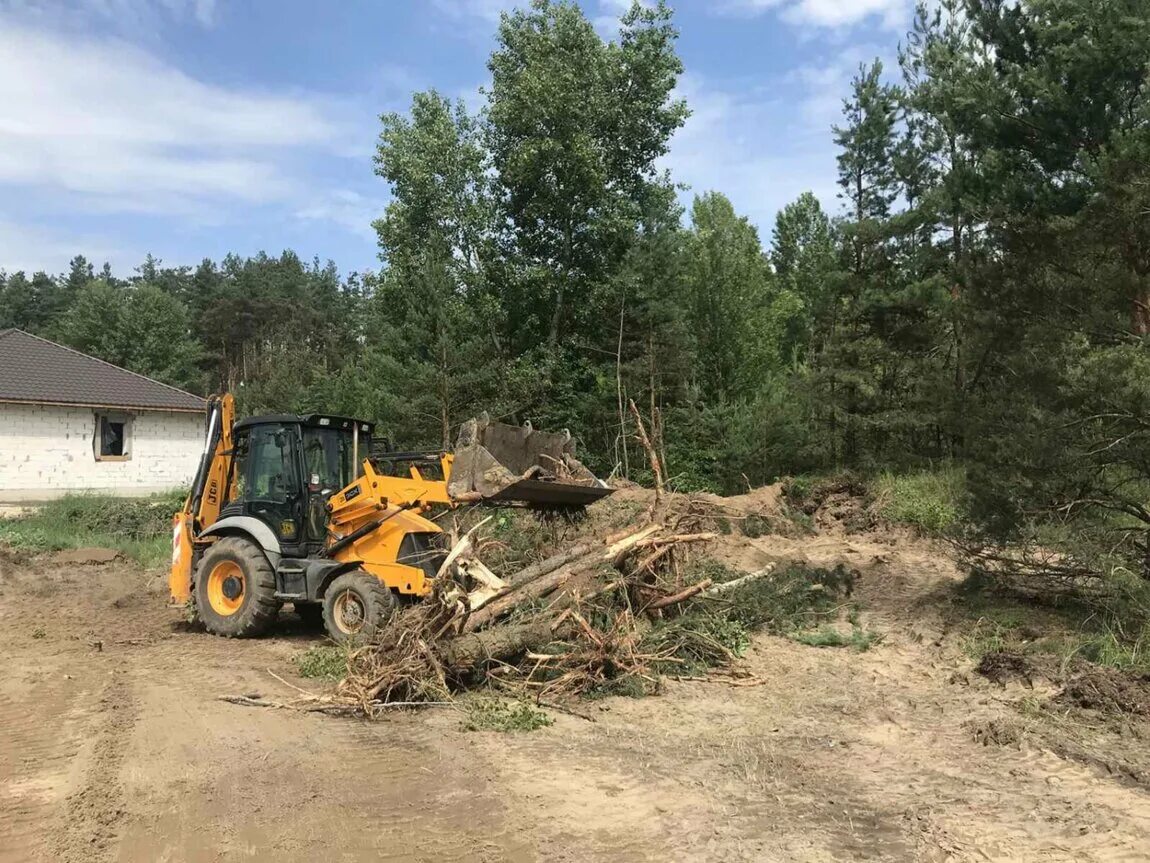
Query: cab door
[(268, 481)]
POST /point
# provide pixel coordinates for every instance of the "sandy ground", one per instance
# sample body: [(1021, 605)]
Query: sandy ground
[(115, 747)]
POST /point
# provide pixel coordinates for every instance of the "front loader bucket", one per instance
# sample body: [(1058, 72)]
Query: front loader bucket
[(499, 463)]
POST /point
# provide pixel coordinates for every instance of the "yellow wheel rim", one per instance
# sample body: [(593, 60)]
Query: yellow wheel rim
[(349, 613), (226, 588)]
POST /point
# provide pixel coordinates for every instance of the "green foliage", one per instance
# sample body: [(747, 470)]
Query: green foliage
[(709, 634), (930, 501), (858, 639), (504, 715), (138, 527), (754, 526), (322, 662)]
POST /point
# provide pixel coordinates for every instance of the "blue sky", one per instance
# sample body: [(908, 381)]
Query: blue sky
[(191, 128)]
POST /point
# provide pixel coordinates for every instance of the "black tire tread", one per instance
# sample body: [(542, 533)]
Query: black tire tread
[(381, 603), (257, 616)]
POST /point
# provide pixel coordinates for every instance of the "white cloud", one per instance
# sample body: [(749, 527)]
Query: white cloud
[(31, 248), (487, 10), (138, 18), (113, 127), (827, 13), (347, 208)]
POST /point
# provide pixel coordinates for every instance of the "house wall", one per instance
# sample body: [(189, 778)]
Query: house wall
[(47, 451)]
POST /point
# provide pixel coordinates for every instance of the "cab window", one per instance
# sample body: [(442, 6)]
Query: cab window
[(327, 459), (265, 473)]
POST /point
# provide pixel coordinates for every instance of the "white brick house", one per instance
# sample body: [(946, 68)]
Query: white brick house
[(72, 423)]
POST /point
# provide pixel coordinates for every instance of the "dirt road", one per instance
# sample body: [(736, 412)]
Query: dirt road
[(115, 747)]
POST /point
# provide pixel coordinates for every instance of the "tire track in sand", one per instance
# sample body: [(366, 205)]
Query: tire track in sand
[(87, 827)]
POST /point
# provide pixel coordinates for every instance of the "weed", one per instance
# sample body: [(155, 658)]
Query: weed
[(792, 598), (627, 686), (322, 662), (754, 526), (39, 632), (138, 527), (797, 490), (863, 640), (499, 714), (930, 501), (697, 641), (824, 636), (709, 633), (859, 638)]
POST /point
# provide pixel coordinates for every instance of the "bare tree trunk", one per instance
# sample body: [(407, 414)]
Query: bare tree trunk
[(468, 652), (621, 437)]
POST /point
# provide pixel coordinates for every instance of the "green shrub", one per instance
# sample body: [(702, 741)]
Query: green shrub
[(931, 501), (710, 632), (754, 526), (322, 662), (827, 636), (498, 714), (696, 641), (139, 527)]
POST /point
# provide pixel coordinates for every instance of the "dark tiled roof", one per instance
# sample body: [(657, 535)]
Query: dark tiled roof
[(38, 371)]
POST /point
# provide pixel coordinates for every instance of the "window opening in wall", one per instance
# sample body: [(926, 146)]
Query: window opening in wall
[(113, 437)]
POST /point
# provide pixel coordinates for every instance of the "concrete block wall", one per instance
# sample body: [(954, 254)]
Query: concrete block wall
[(47, 451)]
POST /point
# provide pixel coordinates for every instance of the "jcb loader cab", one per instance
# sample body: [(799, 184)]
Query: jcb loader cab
[(287, 508)]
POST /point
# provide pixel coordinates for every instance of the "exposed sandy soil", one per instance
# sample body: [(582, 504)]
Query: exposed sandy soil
[(114, 747)]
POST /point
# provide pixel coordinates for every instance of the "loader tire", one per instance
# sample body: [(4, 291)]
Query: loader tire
[(235, 589), (356, 607)]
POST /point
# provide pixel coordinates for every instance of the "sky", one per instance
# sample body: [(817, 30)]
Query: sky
[(193, 128)]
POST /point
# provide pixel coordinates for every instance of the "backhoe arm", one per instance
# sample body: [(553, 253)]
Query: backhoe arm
[(202, 506)]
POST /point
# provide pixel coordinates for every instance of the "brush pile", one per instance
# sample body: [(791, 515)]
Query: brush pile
[(571, 624)]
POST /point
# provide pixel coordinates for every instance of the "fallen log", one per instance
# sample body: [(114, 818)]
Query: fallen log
[(536, 589), (728, 586), (468, 652), (529, 573), (681, 596), (548, 583)]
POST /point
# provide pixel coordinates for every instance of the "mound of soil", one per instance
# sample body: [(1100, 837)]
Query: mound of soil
[(996, 732), (1004, 667), (1108, 690)]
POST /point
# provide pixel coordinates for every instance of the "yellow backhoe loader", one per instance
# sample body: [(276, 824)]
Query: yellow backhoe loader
[(300, 509)]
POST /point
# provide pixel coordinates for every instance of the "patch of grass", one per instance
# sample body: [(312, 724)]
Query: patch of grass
[(1064, 626), (140, 528), (322, 662), (754, 526), (796, 597), (696, 641), (626, 686), (710, 632), (859, 638), (500, 714), (930, 501)]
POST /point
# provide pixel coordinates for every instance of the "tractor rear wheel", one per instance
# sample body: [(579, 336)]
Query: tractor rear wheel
[(235, 589), (356, 606)]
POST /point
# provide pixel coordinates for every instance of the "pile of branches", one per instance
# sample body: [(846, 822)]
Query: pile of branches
[(561, 627)]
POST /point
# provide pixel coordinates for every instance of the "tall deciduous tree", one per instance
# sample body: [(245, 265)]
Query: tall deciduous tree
[(574, 126)]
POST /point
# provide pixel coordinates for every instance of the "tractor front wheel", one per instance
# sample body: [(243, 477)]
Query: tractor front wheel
[(356, 606), (235, 589)]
